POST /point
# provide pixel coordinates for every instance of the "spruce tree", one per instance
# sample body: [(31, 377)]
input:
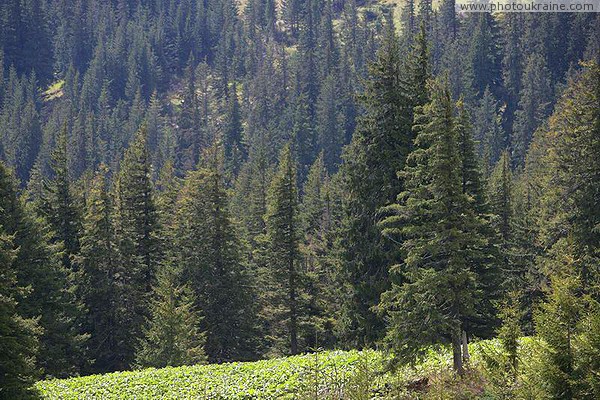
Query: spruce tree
[(330, 123), (447, 20), (58, 205), (513, 219), (172, 335), (235, 150), (535, 98), (189, 137), (101, 287), (315, 214), (302, 131), (168, 186), (470, 171), (283, 232), (483, 58), (436, 288), (510, 332), (204, 243), (382, 140), (488, 132), (512, 64), (51, 298), (418, 72), (500, 195), (577, 125), (485, 256), (136, 226), (425, 15), (556, 324), (19, 343), (562, 174)]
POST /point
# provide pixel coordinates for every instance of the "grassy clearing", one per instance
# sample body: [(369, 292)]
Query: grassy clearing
[(277, 378), (54, 91), (323, 375)]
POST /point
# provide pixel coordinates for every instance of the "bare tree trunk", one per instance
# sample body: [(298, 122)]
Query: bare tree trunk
[(456, 352), (293, 323), (465, 348), (293, 309)]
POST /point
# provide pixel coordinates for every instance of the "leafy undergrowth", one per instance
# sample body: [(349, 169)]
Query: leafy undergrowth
[(323, 375)]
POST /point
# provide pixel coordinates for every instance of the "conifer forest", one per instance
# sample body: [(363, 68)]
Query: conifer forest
[(188, 182)]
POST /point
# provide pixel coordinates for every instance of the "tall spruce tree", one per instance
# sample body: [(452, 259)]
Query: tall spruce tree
[(101, 287), (512, 64), (51, 295), (418, 72), (59, 206), (500, 192), (330, 123), (204, 243), (136, 226), (283, 233), (378, 149), (436, 287), (315, 214), (235, 150), (577, 125), (484, 256), (500, 195), (562, 172), (483, 58), (19, 336), (470, 170), (190, 133), (557, 324)]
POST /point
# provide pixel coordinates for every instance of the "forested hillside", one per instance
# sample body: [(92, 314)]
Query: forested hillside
[(192, 181)]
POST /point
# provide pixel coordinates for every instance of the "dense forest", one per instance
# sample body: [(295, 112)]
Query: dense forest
[(191, 181)]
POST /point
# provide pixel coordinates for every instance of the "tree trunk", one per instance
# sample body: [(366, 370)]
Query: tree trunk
[(456, 352), (465, 348), (293, 310)]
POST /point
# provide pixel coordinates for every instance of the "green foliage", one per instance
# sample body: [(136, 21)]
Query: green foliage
[(283, 236), (172, 334), (284, 378), (533, 106), (510, 331), (57, 204), (268, 252), (556, 323), (203, 242), (136, 229), (378, 150), (330, 375), (439, 289), (50, 297), (100, 285), (19, 344)]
